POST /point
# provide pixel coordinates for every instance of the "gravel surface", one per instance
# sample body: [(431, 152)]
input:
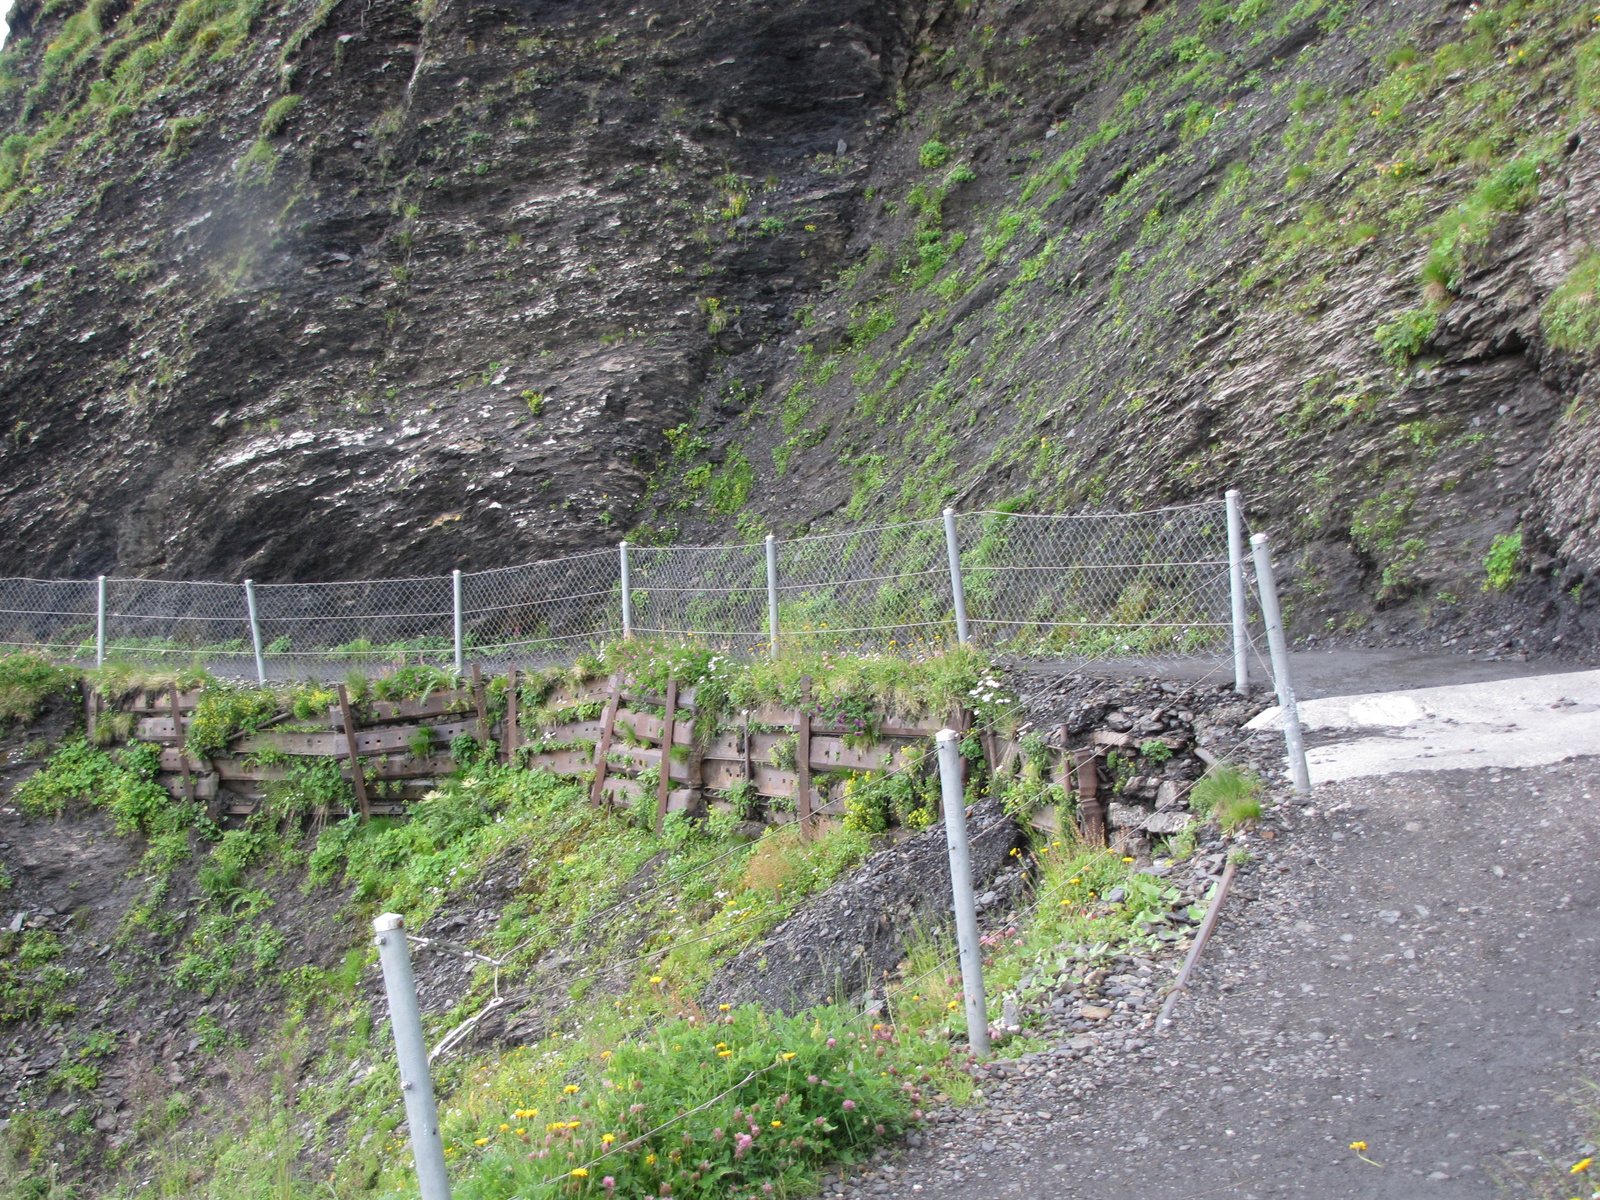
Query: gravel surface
[(1411, 963)]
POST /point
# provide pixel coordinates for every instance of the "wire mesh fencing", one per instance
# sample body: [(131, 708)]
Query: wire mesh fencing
[(1082, 586)]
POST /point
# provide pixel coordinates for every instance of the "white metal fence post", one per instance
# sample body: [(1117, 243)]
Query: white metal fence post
[(627, 592), (255, 630), (958, 593), (955, 832), (1236, 590), (1294, 742), (100, 622), (411, 1053), (772, 597), (455, 593)]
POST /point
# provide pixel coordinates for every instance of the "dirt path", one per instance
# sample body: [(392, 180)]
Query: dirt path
[(1415, 964)]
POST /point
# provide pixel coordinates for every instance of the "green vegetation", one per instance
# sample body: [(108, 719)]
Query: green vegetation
[(27, 681), (1403, 338), (1501, 562), (1571, 316), (277, 114), (933, 155), (1228, 794)]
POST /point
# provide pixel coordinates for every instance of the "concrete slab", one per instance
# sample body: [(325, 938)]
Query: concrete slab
[(1525, 722)]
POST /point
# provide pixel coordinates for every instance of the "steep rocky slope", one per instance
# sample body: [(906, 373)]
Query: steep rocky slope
[(306, 292)]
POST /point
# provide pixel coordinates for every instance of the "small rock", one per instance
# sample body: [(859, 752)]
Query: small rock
[(1094, 1012)]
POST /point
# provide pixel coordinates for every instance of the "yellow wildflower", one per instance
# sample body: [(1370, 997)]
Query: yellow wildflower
[(607, 1138), (724, 1053), (1358, 1145), (480, 1141), (570, 1088), (777, 1124), (724, 1007), (655, 979), (1580, 1166), (580, 1172), (503, 1128), (788, 1055)]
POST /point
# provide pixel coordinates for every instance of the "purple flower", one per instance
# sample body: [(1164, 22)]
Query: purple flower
[(849, 1104)]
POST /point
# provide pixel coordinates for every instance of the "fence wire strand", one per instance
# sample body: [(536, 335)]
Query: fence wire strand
[(1083, 586)]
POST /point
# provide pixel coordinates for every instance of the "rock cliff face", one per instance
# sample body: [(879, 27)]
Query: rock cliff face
[(380, 289)]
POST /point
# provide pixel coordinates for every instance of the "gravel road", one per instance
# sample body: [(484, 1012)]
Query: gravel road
[(1411, 963)]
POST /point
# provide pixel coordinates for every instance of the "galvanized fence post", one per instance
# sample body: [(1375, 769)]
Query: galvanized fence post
[(958, 593), (772, 597), (966, 909), (1236, 591), (100, 622), (1294, 742), (627, 592), (411, 1054), (255, 630), (455, 591)]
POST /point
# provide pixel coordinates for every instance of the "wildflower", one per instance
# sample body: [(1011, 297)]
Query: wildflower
[(480, 1142), (788, 1055), (570, 1088), (519, 1132), (607, 1138), (724, 1007), (503, 1128), (649, 1160), (655, 979), (1358, 1145), (1580, 1166), (953, 1006), (608, 1183), (580, 1172), (849, 1104), (1127, 860), (724, 1053)]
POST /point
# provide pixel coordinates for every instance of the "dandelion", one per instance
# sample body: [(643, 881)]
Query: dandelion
[(1582, 1165), (607, 1138), (580, 1172), (570, 1088), (1127, 860), (1360, 1149), (788, 1055), (777, 1124), (503, 1128), (724, 1007), (480, 1141), (724, 1053), (657, 978)]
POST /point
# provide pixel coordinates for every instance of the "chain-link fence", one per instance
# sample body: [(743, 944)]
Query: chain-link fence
[(1083, 586)]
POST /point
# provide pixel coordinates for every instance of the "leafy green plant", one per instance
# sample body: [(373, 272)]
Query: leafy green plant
[(1403, 338), (933, 155), (1501, 562)]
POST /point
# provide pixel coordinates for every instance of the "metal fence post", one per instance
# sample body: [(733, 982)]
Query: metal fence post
[(772, 597), (411, 1053), (100, 622), (455, 590), (1241, 634), (958, 593), (255, 630), (627, 593), (1294, 743), (955, 832)]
